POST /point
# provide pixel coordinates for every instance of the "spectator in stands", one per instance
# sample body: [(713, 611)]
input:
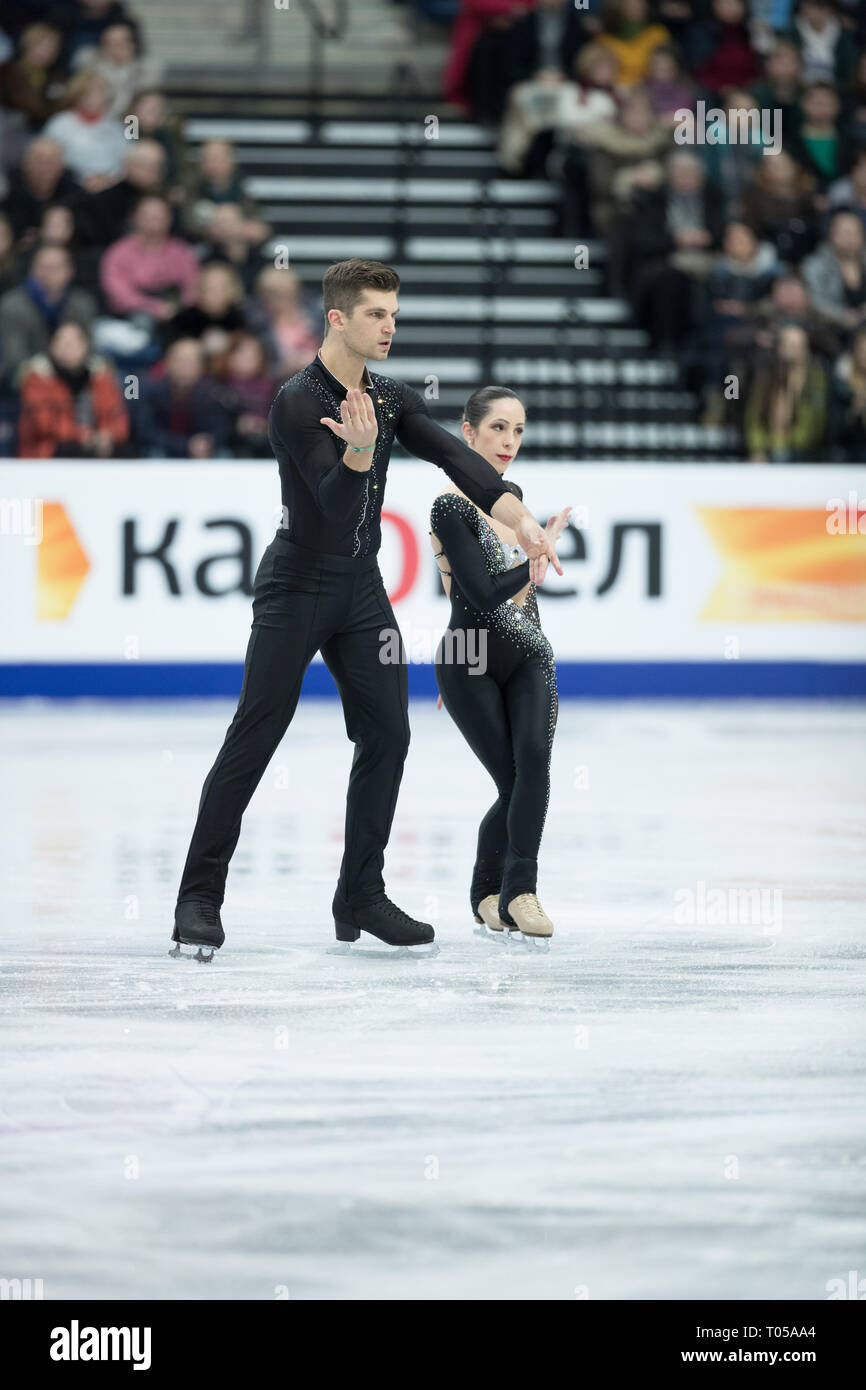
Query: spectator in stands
[(788, 301), (40, 181), (786, 413), (719, 51), (59, 227), (767, 20), (666, 85), (848, 402), (480, 68), (731, 162), (779, 205), (277, 317), (547, 108), (217, 181), (225, 240), (854, 104), (818, 144), (31, 84), (215, 313), (828, 49), (836, 273), (155, 122), (179, 414), (850, 193), (82, 23), (11, 269), (118, 61), (71, 403), (30, 313), (545, 39), (92, 141), (247, 392), (623, 154), (662, 251), (627, 29), (781, 87), (149, 271), (743, 272), (103, 216)]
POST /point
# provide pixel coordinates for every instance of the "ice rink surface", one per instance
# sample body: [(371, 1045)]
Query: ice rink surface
[(670, 1104)]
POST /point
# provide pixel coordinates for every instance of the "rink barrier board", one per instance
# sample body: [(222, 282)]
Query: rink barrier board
[(678, 580), (575, 680)]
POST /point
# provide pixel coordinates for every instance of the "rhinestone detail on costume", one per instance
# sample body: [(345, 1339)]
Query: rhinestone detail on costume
[(521, 626), (387, 398)]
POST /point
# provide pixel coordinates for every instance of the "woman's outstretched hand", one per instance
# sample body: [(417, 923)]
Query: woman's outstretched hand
[(540, 549), (439, 702), (558, 523), (359, 427)]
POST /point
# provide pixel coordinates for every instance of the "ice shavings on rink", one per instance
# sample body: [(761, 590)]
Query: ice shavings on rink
[(668, 1105)]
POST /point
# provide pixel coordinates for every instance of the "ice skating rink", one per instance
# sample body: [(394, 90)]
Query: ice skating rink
[(667, 1105)]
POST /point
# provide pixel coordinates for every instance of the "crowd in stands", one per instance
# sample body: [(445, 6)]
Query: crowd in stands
[(742, 252), (141, 314)]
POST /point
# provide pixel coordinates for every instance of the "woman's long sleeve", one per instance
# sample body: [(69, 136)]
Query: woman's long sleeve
[(481, 589)]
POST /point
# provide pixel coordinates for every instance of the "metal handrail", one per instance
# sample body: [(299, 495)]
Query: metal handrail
[(333, 29), (256, 26)]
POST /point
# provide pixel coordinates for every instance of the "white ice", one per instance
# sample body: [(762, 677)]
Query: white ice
[(656, 1109)]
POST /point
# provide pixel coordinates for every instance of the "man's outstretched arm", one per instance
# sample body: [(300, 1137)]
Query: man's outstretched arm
[(418, 432)]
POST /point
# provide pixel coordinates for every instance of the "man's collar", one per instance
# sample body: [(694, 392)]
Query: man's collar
[(336, 384)]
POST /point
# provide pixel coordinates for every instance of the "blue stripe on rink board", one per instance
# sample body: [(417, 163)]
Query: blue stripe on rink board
[(575, 679)]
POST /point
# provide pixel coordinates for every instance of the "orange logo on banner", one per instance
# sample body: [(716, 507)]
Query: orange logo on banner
[(783, 565), (61, 564)]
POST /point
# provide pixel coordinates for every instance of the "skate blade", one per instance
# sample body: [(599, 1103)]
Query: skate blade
[(512, 938), (421, 952), (204, 954), (536, 945), (501, 935)]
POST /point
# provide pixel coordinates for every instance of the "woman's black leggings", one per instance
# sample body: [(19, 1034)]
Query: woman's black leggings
[(507, 715)]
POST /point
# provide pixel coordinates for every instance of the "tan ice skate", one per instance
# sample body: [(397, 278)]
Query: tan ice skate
[(530, 916), (488, 911)]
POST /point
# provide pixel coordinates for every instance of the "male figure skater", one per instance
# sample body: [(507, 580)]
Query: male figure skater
[(318, 588)]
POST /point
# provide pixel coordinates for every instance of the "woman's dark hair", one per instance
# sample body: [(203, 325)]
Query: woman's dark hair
[(481, 400), (477, 407)]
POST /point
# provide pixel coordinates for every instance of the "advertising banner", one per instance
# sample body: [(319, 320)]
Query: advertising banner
[(675, 577)]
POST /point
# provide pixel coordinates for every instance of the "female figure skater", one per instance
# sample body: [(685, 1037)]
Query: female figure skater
[(496, 673)]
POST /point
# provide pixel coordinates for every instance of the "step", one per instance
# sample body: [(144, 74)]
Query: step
[(454, 134), (413, 190), (322, 219), (429, 251)]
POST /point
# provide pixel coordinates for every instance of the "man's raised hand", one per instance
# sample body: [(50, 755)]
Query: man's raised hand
[(359, 426)]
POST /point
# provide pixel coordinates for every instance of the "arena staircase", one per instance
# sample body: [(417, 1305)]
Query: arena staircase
[(490, 291)]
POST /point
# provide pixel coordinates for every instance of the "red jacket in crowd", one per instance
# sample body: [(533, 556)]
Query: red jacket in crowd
[(48, 409)]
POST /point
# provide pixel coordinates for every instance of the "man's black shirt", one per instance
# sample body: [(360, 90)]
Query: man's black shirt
[(330, 507)]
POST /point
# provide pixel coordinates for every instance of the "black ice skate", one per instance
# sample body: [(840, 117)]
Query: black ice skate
[(385, 920), (197, 923)]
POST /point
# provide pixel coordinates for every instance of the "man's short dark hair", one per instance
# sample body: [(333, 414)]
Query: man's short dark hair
[(345, 282)]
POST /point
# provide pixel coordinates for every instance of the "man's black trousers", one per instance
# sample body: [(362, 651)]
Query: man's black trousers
[(306, 602)]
